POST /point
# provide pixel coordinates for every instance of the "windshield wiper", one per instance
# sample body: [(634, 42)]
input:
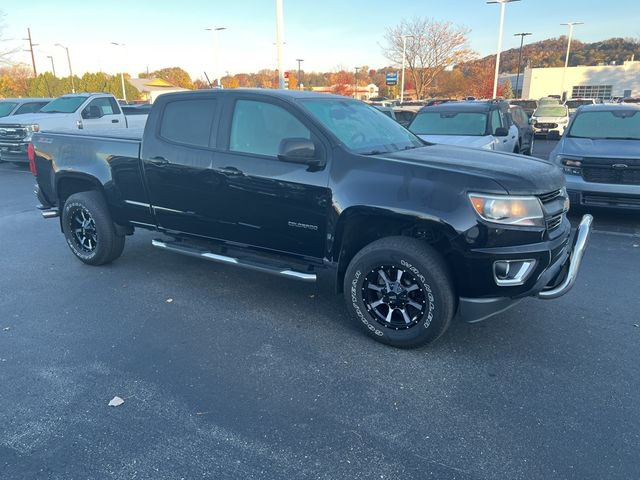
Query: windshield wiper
[(374, 152), (617, 138), (53, 111)]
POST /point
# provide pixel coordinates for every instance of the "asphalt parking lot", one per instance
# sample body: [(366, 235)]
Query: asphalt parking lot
[(227, 374)]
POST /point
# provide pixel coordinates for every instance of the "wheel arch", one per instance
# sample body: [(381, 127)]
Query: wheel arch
[(70, 183), (357, 227)]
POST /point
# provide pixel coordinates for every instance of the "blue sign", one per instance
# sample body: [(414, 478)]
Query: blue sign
[(392, 78)]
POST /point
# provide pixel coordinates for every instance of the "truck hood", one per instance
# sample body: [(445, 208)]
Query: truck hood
[(473, 141), (517, 174), (599, 148), (41, 119)]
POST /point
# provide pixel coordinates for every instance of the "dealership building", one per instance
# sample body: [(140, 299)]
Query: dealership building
[(603, 81)]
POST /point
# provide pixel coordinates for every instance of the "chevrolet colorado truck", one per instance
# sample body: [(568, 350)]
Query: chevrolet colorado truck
[(70, 112), (299, 184)]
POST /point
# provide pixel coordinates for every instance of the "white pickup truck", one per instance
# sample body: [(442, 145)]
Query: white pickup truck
[(70, 112)]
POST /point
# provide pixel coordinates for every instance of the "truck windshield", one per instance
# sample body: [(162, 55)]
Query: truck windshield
[(63, 105), (360, 127), (450, 123), (6, 108), (614, 125), (577, 103)]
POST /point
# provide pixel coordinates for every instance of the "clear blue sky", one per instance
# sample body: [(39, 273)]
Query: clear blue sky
[(327, 34)]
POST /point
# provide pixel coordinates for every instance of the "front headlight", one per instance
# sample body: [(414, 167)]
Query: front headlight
[(508, 210), (571, 165), (31, 129)]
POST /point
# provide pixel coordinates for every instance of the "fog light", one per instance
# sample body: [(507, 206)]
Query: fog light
[(509, 273)]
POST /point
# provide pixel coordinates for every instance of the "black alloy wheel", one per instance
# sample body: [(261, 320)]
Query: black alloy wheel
[(84, 231), (394, 297)]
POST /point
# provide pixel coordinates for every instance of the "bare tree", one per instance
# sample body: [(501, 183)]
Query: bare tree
[(432, 46), (5, 53)]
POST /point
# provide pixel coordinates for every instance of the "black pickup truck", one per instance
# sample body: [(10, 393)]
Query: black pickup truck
[(296, 184)]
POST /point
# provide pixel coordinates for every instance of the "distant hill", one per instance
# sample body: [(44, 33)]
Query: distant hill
[(551, 53)]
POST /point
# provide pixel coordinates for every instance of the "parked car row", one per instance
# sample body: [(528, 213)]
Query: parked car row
[(83, 111)]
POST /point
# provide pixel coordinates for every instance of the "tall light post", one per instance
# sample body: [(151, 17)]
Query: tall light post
[(73, 86), (279, 42), (216, 52), (521, 35), (355, 83), (299, 60), (566, 59), (404, 57), (53, 67), (502, 3), (124, 92)]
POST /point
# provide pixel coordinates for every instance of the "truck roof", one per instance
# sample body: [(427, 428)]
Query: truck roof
[(25, 99), (286, 94)]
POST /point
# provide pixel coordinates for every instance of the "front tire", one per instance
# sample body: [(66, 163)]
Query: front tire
[(89, 229), (399, 290)]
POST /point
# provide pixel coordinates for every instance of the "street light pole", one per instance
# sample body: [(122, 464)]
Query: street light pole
[(522, 35), (216, 52), (566, 59), (299, 60), (124, 92), (53, 67), (73, 86), (502, 3), (404, 56), (279, 42)]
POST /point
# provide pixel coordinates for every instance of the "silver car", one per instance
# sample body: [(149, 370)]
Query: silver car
[(600, 156)]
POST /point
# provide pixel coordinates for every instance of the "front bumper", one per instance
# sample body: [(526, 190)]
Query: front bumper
[(545, 131), (552, 283), (14, 152)]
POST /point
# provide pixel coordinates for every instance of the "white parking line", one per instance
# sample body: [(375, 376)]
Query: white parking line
[(618, 234)]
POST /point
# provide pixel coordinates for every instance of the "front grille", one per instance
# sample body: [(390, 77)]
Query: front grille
[(548, 197), (607, 174), (555, 221), (610, 201), (554, 208), (546, 125), (12, 133)]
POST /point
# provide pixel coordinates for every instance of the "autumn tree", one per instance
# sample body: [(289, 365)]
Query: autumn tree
[(175, 76), (342, 83), (432, 46)]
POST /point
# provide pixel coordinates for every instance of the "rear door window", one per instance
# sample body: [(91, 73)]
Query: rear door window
[(30, 107), (189, 122)]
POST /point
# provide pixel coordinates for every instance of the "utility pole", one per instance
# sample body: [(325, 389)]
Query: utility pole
[(502, 3), (566, 59), (355, 83), (53, 67), (521, 35), (31, 45), (299, 60), (279, 41)]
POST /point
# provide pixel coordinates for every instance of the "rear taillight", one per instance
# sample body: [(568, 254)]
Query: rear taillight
[(31, 155)]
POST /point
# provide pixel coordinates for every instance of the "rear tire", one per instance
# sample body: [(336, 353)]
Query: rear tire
[(400, 292), (89, 229)]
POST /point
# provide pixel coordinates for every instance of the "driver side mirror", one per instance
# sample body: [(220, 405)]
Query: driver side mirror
[(299, 150), (92, 111), (501, 132)]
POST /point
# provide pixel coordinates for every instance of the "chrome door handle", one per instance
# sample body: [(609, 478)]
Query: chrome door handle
[(230, 171)]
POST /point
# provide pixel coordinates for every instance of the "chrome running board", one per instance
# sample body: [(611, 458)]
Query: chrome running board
[(250, 264)]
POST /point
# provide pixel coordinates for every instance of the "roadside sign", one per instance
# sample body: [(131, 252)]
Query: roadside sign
[(392, 78)]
